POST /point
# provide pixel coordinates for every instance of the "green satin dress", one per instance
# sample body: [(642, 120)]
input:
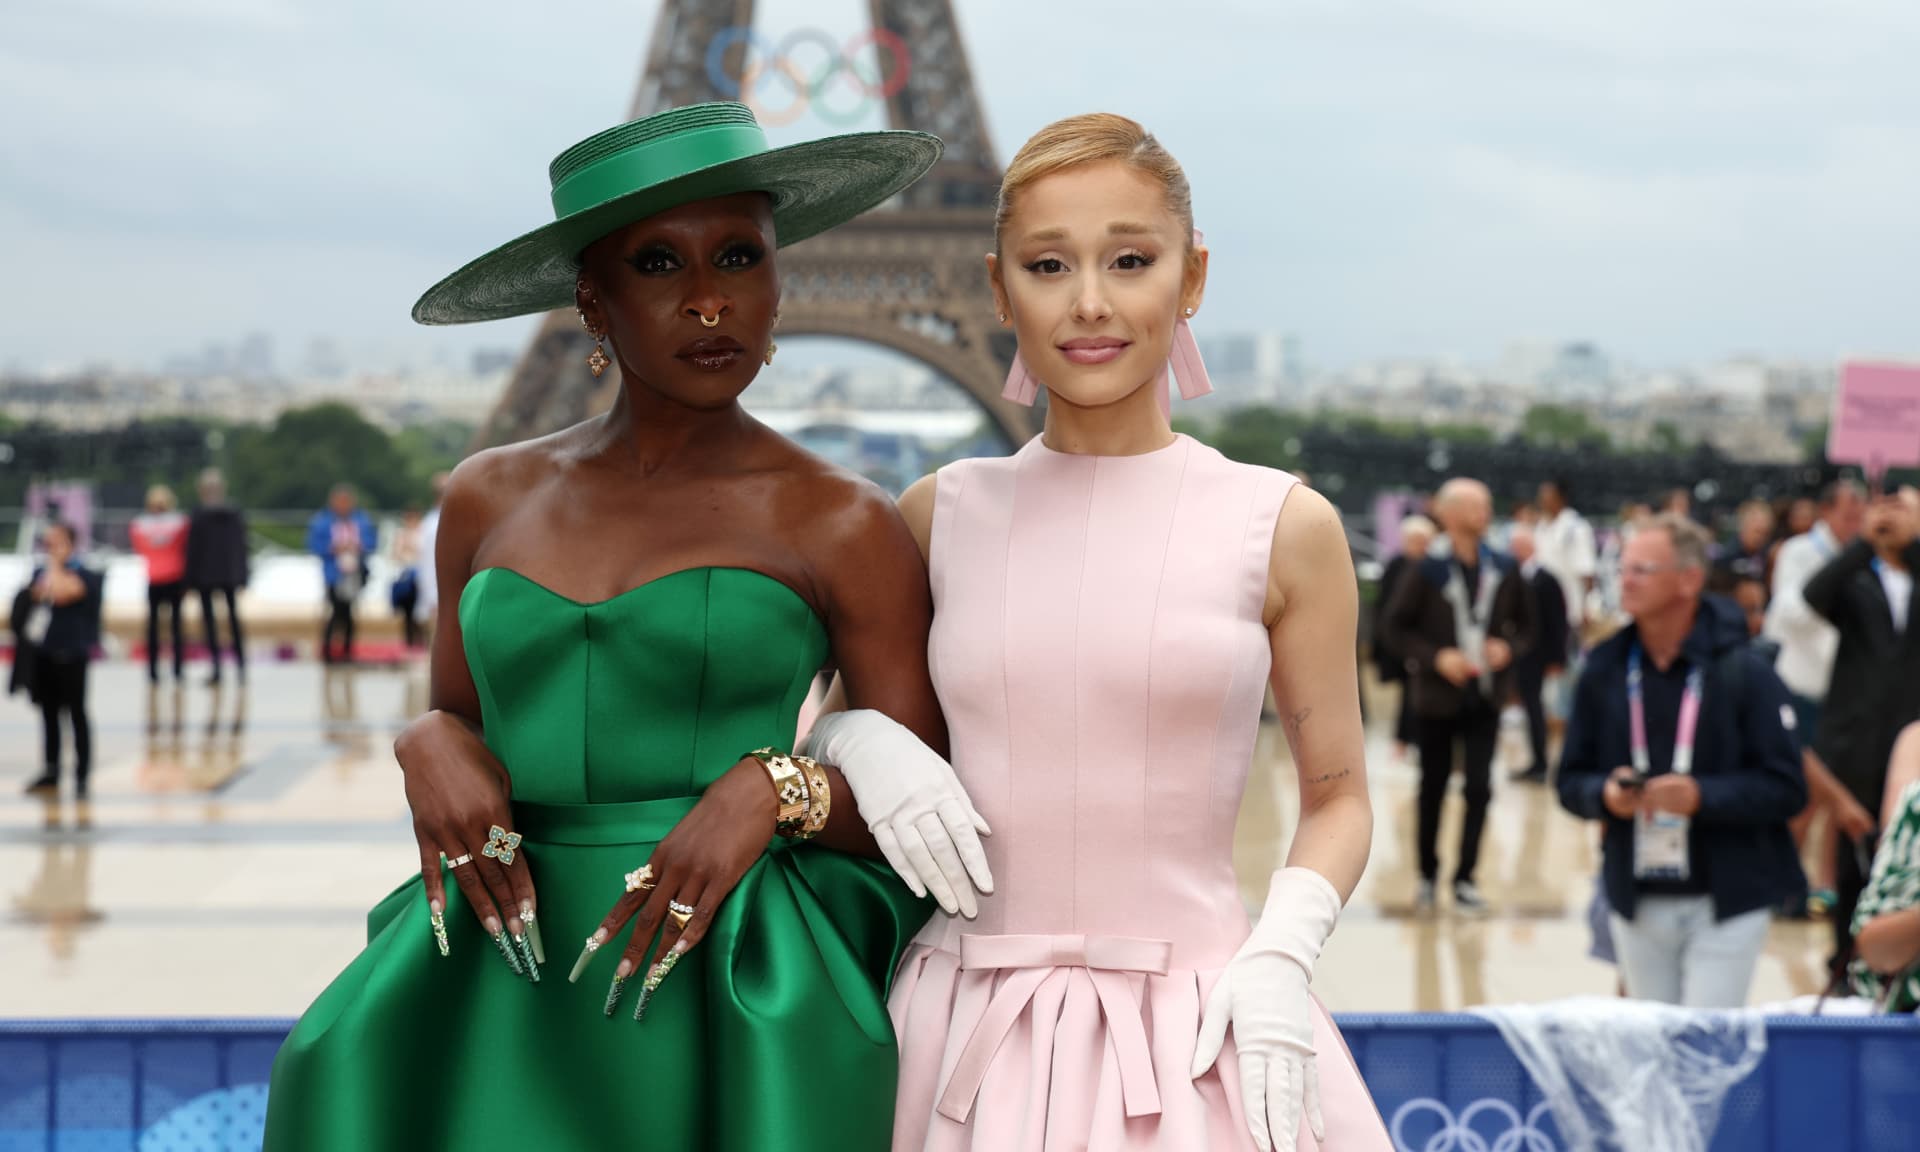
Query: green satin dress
[(772, 1033)]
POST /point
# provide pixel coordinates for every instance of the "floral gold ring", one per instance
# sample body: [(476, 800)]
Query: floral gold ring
[(501, 844)]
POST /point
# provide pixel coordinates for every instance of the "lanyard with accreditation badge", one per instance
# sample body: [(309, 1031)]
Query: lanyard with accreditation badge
[(1660, 838)]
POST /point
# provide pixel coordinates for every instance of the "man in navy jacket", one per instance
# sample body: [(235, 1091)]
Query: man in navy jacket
[(1460, 619), (1694, 858)]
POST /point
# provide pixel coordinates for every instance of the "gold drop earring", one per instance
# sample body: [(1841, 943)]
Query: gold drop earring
[(597, 360), (772, 345)]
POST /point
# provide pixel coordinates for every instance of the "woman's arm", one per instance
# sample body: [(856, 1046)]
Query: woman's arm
[(456, 787), (1312, 611), (879, 610), (466, 513), (916, 508)]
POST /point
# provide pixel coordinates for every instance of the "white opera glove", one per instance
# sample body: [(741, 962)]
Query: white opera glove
[(1263, 993), (913, 803)]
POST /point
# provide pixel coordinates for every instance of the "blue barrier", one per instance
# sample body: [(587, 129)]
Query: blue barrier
[(1442, 1083), (1829, 1083)]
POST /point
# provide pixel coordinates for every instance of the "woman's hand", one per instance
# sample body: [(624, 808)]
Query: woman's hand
[(459, 794), (920, 816), (696, 867)]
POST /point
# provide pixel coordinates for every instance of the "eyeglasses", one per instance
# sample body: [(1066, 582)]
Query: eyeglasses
[(1642, 571)]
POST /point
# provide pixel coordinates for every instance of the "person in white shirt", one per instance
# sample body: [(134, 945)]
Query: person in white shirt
[(1563, 545), (1807, 641), (427, 574), (1805, 664)]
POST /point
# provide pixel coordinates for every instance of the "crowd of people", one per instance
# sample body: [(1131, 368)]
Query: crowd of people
[(343, 537), (1729, 709), (203, 553), (56, 617)]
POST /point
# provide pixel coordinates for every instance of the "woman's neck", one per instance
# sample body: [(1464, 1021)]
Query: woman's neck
[(646, 430), (1131, 426)]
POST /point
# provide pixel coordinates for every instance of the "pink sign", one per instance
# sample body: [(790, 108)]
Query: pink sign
[(1876, 417)]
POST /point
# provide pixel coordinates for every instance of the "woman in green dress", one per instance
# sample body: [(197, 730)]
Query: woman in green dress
[(632, 612)]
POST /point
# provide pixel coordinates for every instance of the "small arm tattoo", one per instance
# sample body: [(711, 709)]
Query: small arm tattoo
[(1332, 776), (1298, 721)]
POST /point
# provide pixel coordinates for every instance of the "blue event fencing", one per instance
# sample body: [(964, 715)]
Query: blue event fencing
[(1443, 1084)]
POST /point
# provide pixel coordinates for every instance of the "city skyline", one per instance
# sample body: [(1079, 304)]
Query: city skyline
[(1423, 179)]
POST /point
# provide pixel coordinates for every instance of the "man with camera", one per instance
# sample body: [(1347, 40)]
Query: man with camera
[(1679, 741), (1867, 594)]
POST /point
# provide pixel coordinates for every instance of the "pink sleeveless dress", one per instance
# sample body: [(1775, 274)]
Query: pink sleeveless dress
[(1098, 649)]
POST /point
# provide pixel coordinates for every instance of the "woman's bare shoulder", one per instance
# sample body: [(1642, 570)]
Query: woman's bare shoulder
[(487, 485)]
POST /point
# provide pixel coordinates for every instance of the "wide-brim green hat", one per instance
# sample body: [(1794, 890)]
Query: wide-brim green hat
[(642, 168)]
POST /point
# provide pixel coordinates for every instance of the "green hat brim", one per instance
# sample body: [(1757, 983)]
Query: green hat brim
[(815, 186)]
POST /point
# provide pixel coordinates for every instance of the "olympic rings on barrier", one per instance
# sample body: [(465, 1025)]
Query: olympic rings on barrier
[(766, 59), (1461, 1134)]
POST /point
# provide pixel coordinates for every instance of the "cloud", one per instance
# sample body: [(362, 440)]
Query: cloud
[(1405, 176)]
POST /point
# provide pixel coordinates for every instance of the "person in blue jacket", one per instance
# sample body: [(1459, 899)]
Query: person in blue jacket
[(1680, 740), (343, 537)]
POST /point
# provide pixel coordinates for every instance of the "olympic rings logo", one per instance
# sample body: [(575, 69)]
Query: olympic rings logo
[(1459, 1135), (891, 65)]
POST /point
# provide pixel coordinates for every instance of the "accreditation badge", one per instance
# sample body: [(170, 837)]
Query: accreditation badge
[(1660, 847)]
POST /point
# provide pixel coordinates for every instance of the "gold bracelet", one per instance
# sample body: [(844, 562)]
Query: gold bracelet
[(819, 798), (789, 785)]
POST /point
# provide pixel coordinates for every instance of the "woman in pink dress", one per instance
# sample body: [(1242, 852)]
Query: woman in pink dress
[(1111, 604)]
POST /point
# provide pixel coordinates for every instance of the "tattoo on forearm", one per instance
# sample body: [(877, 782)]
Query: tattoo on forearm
[(1298, 721), (1332, 776)]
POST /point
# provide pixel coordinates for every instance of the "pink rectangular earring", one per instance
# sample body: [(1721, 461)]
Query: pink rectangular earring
[(1021, 387), (1184, 357)]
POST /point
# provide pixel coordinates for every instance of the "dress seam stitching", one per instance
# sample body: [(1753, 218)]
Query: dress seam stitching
[(794, 681), (1006, 637), (1153, 633), (482, 682), (1079, 627), (586, 708), (700, 681)]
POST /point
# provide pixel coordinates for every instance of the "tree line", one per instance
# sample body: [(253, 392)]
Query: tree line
[(290, 463)]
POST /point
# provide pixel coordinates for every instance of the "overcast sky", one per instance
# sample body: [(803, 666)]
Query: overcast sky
[(1679, 180)]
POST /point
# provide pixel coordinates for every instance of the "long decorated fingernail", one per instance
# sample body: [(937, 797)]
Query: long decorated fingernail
[(533, 930), (586, 955), (525, 948), (619, 985), (506, 950), (439, 922), (654, 980)]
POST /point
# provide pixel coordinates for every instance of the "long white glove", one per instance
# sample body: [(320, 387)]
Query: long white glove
[(1263, 992), (914, 805)]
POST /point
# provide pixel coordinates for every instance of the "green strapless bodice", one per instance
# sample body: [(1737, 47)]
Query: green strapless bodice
[(651, 694), (611, 718)]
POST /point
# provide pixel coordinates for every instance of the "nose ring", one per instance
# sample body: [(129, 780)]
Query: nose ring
[(706, 322)]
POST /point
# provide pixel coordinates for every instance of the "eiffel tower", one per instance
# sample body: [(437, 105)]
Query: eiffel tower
[(906, 276)]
